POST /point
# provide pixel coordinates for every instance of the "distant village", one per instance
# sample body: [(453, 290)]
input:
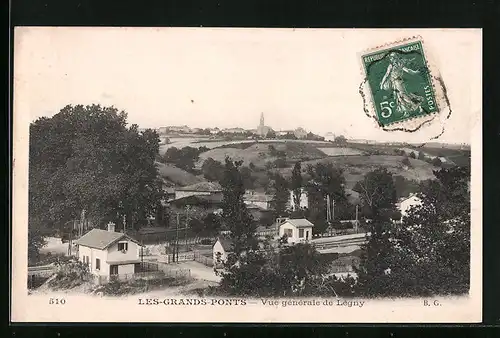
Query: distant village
[(261, 131)]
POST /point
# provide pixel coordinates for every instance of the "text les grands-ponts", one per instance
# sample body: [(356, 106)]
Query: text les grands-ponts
[(191, 301)]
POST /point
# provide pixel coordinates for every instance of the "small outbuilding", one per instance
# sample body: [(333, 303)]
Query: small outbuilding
[(296, 230), (221, 249)]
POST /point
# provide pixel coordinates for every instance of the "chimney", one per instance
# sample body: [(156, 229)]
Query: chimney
[(111, 227)]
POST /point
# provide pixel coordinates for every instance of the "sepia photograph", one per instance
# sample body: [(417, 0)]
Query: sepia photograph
[(232, 175)]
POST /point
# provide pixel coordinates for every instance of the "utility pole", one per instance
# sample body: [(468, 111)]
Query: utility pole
[(124, 225), (187, 224), (333, 209), (70, 242), (328, 208), (357, 222), (176, 249)]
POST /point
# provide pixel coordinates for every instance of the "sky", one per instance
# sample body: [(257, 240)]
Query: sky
[(207, 77)]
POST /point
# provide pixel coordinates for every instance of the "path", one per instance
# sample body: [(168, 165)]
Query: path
[(199, 271)]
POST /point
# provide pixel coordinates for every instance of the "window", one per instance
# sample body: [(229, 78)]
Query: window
[(97, 264), (289, 232), (122, 246), (301, 233), (114, 270)]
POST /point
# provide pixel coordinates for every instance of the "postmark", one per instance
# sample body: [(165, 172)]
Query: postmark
[(402, 87)]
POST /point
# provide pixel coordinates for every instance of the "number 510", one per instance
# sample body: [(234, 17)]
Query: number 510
[(386, 108)]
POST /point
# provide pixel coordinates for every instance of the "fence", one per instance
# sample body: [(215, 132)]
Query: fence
[(182, 237), (270, 232), (159, 274), (208, 261), (341, 268)]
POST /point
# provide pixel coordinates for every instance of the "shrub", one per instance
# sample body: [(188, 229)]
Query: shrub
[(280, 163), (437, 162), (412, 155), (70, 274), (206, 241), (406, 162)]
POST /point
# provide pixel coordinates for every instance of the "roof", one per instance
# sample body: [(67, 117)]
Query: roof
[(101, 239), (299, 223), (258, 197), (197, 199), (169, 190), (130, 261), (255, 206), (411, 196), (227, 244), (202, 186)]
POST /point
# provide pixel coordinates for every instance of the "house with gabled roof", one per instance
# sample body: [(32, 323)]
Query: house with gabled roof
[(296, 230), (199, 189), (222, 247), (109, 253)]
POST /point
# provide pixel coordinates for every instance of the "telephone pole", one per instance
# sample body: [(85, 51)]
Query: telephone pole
[(187, 224), (333, 209), (357, 221), (124, 225), (176, 249), (328, 208)]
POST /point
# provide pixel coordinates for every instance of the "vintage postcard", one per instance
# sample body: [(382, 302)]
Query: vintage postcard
[(214, 175)]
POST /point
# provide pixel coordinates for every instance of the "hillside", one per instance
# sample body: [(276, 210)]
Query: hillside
[(176, 175), (357, 166), (261, 153)]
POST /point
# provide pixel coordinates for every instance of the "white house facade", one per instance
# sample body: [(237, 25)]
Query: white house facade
[(109, 253), (303, 202), (296, 230), (263, 201), (220, 250), (406, 204)]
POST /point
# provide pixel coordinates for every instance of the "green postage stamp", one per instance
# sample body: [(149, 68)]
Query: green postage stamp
[(400, 83)]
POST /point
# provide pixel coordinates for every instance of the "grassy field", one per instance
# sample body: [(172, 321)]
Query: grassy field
[(176, 175), (260, 153), (340, 151), (357, 166)]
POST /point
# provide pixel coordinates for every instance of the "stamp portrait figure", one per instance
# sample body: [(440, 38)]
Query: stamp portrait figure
[(393, 81)]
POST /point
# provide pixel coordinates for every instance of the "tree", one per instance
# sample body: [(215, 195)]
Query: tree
[(421, 156), (340, 140), (196, 226), (316, 213), (212, 170), (86, 159), (406, 162), (183, 158), (429, 254), (412, 155), (404, 187), (296, 184), (280, 198), (248, 179), (280, 163), (436, 161), (285, 271), (271, 134), (272, 150), (329, 181), (377, 192), (235, 215)]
